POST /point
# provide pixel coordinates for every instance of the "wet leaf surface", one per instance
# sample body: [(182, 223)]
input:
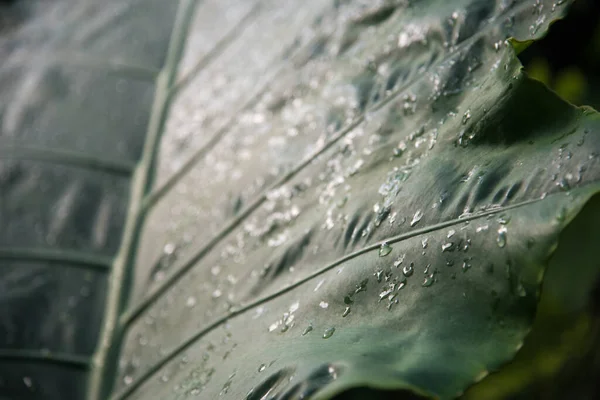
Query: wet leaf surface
[(328, 198)]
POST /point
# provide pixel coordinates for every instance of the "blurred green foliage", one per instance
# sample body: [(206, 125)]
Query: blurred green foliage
[(568, 59)]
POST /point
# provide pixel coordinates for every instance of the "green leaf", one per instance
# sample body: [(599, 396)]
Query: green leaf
[(325, 198)]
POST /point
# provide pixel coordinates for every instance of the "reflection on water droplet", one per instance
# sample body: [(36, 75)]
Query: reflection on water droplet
[(417, 217), (262, 367), (307, 330), (424, 243), (346, 312), (451, 233), (408, 269), (385, 249), (328, 333), (323, 304), (501, 239)]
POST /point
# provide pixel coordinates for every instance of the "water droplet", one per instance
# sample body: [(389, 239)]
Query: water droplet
[(417, 217), (562, 214), (448, 246), (482, 228), (466, 265), (504, 219), (227, 385), (399, 260), (328, 333), (385, 249), (451, 233), (128, 380), (362, 286), (346, 312), (424, 243), (466, 117), (28, 381), (319, 285), (307, 330), (564, 185), (501, 239), (191, 301), (384, 294), (323, 304), (348, 300), (408, 269), (429, 279), (262, 367)]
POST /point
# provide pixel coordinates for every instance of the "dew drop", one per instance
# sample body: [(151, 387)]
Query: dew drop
[(127, 380), (466, 117), (417, 217), (564, 185), (346, 312), (227, 385), (362, 286), (504, 219), (424, 243), (307, 330), (190, 302), (28, 381), (385, 249), (466, 266), (501, 239), (408, 270), (399, 260), (328, 333), (447, 246), (562, 214), (262, 367), (323, 304), (429, 279)]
